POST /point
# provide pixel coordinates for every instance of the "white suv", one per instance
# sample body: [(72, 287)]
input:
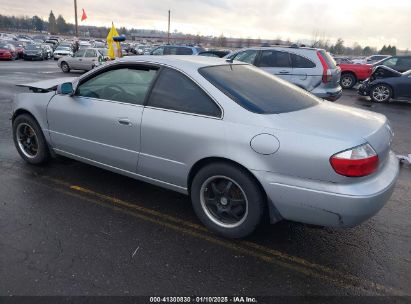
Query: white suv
[(311, 69)]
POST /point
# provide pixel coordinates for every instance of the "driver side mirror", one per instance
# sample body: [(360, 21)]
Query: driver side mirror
[(65, 89)]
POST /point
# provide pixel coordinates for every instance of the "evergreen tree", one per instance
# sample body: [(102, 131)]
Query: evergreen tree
[(52, 23)]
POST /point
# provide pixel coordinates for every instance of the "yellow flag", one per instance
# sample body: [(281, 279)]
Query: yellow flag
[(114, 48)]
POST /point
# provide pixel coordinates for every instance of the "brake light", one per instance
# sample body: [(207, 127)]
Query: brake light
[(357, 162), (327, 77)]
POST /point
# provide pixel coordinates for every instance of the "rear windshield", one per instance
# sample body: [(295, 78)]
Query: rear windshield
[(256, 90), (327, 57)]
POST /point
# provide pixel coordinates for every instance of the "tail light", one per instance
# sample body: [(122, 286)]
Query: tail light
[(356, 162), (327, 77)]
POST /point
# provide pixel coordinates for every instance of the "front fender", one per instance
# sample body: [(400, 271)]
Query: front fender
[(36, 105)]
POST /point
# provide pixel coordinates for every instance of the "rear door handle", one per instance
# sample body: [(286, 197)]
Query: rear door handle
[(125, 122), (284, 72)]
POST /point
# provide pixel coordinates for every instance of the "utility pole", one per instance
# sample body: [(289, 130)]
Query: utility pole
[(75, 16), (168, 35)]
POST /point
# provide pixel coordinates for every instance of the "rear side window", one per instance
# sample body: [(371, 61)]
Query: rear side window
[(274, 59), (300, 62), (258, 91), (184, 51), (327, 57), (175, 91), (405, 62), (246, 56)]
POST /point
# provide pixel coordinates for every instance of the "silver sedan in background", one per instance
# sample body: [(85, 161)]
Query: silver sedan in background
[(84, 59), (244, 144)]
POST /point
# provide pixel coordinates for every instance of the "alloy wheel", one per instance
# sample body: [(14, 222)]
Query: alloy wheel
[(27, 140), (381, 93), (224, 201)]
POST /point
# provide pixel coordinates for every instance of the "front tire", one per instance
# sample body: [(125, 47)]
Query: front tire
[(227, 200), (348, 80), (29, 140), (381, 93)]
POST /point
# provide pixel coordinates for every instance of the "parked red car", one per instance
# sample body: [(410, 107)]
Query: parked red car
[(352, 73), (7, 51)]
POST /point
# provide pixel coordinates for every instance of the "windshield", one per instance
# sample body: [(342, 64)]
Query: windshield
[(63, 48), (256, 90), (4, 46)]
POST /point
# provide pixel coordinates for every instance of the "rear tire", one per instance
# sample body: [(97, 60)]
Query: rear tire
[(381, 93), (227, 199), (65, 67), (29, 140), (348, 80)]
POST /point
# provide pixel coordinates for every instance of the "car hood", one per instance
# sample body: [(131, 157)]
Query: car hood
[(46, 85), (384, 72), (342, 123)]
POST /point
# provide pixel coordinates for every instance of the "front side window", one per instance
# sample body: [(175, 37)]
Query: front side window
[(129, 85), (80, 53), (391, 62), (246, 56), (175, 91), (256, 90), (90, 53), (274, 59), (159, 51)]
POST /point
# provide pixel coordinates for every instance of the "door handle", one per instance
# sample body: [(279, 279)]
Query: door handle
[(284, 72), (125, 122)]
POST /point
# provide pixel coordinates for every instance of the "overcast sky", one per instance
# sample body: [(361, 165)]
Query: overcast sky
[(368, 22)]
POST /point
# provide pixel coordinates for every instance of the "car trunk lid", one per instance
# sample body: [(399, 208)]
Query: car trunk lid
[(342, 123)]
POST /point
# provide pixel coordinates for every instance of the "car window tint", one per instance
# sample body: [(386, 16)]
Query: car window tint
[(258, 91), (301, 62), (391, 62), (208, 54), (80, 53), (184, 51), (246, 56), (128, 85), (328, 59), (90, 53), (159, 51), (169, 50), (405, 62), (275, 59), (175, 91)]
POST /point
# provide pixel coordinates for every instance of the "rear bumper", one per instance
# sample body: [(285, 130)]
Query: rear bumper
[(328, 94), (329, 204)]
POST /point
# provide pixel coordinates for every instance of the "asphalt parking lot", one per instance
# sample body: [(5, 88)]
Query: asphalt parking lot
[(72, 229)]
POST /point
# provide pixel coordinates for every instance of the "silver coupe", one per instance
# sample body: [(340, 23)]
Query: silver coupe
[(244, 144)]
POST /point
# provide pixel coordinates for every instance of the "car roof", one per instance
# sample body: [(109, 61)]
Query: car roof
[(280, 47), (178, 61)]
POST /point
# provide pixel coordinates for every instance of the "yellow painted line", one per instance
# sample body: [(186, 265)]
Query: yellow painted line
[(263, 253), (330, 274)]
